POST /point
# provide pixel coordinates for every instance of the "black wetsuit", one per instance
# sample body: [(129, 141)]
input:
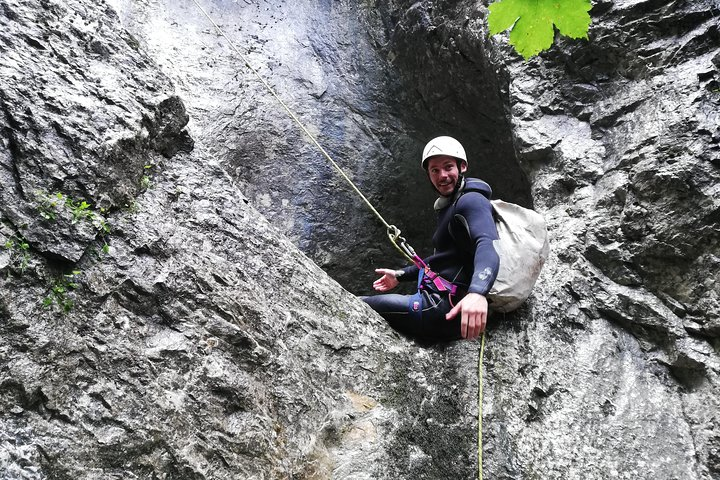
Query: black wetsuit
[(464, 254)]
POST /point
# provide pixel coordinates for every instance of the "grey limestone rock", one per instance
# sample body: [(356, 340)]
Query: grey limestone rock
[(82, 110), (183, 323), (620, 137)]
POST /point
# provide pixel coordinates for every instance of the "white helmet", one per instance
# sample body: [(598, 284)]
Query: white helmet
[(443, 146)]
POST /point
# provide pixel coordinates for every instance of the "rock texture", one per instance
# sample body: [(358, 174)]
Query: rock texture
[(165, 329), (80, 108), (621, 138)]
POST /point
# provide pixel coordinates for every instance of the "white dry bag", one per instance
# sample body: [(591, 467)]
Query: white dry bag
[(523, 247)]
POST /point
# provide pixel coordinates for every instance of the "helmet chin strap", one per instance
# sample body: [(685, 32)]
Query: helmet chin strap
[(458, 184)]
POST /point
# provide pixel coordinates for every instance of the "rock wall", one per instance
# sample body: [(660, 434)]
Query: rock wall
[(168, 330), (153, 324), (620, 136), (321, 62)]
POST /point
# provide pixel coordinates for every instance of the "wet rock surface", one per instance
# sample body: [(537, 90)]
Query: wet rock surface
[(82, 111), (166, 329), (620, 353)]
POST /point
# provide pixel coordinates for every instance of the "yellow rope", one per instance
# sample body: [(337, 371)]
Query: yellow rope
[(295, 118), (480, 402)]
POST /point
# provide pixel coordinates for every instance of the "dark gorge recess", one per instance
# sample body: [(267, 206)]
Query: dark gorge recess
[(374, 85)]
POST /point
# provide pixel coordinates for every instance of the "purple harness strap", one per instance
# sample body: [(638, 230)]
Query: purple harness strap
[(439, 282)]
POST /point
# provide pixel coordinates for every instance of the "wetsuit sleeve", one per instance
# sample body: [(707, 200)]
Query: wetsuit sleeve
[(410, 273), (474, 215)]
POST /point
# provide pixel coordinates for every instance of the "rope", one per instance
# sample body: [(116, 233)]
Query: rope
[(480, 402), (393, 232)]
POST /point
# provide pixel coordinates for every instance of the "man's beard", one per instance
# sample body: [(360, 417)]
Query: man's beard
[(458, 184)]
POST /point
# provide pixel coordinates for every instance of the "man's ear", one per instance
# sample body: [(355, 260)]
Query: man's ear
[(463, 166)]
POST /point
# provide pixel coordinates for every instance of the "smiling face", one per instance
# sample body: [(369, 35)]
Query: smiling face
[(444, 174)]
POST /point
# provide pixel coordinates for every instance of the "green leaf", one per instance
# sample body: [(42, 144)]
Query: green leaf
[(503, 15), (67, 305), (532, 22)]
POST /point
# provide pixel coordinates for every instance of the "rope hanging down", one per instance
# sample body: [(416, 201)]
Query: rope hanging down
[(392, 231), (480, 405)]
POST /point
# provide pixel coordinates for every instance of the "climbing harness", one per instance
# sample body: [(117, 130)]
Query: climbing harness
[(427, 280), (426, 277)]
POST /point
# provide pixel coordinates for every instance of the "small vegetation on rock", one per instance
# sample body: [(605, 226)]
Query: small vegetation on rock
[(532, 23), (19, 252), (80, 210), (49, 207), (145, 182), (60, 292)]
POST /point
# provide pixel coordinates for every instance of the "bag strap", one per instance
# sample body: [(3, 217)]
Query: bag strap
[(469, 188)]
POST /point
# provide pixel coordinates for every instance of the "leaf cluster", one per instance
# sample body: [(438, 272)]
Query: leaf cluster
[(532, 23), (80, 210), (48, 207), (60, 292), (19, 252)]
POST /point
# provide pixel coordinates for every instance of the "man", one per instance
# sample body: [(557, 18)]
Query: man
[(464, 255)]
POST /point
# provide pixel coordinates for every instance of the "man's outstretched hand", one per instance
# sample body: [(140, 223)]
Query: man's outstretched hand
[(388, 281), (474, 308)]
